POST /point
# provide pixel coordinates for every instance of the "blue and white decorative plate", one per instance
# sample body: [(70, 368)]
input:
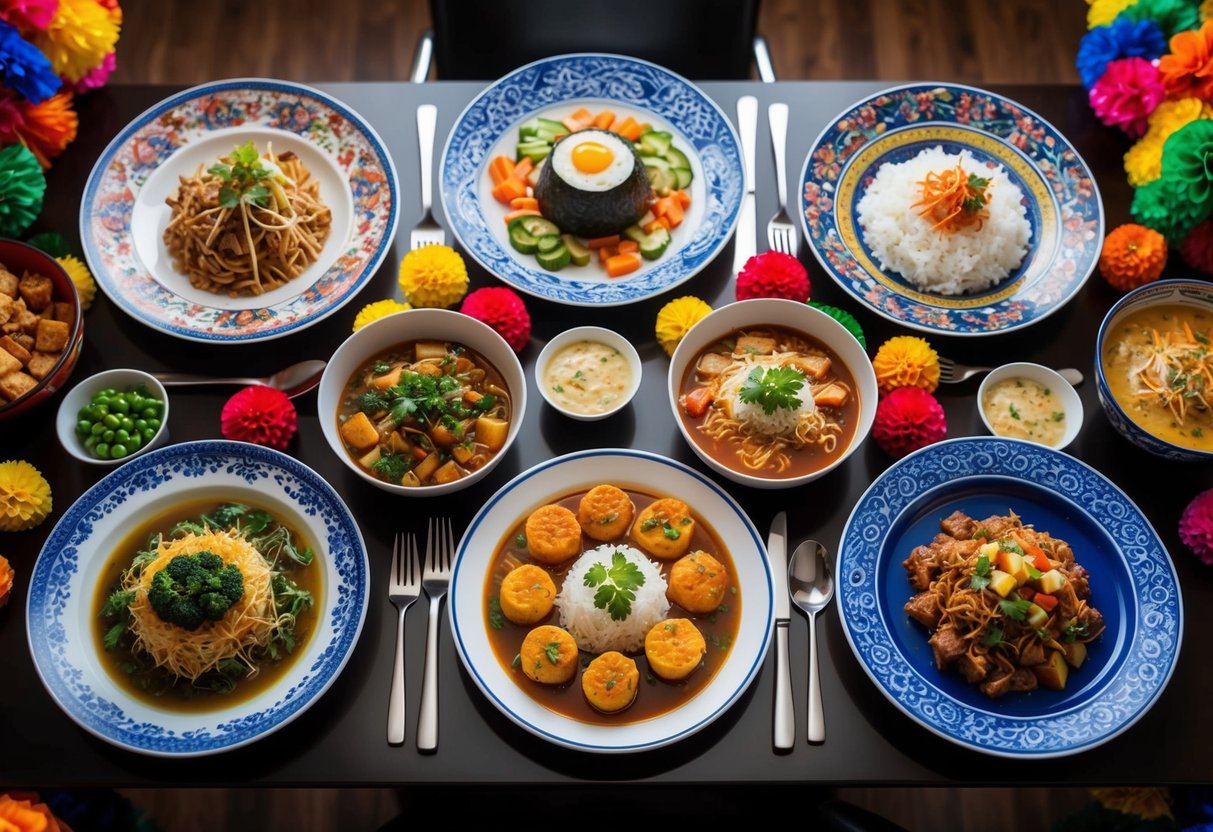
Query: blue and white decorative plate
[(123, 214), (626, 86), (1062, 200), (60, 620), (1133, 583), (651, 474)]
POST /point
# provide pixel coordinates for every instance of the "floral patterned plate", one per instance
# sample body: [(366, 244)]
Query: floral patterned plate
[(555, 87), (123, 214), (1133, 583), (1062, 200), (62, 626)]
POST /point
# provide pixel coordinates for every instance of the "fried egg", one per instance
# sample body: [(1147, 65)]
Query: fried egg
[(592, 160)]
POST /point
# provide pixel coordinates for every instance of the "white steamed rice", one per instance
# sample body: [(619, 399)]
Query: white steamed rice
[(782, 422), (950, 263), (592, 628)]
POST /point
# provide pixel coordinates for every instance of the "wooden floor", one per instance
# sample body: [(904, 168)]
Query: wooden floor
[(971, 41)]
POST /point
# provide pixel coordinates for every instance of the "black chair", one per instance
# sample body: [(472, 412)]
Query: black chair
[(481, 40)]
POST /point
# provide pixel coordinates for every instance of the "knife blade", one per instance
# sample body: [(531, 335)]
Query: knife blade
[(745, 244), (777, 553)]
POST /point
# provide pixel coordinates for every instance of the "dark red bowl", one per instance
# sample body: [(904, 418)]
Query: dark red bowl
[(19, 258)]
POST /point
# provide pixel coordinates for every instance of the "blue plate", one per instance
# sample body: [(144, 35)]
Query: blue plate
[(61, 623), (556, 87), (1133, 583), (1062, 201)]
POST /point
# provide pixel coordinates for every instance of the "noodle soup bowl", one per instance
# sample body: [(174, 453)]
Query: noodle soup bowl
[(801, 319), (378, 337), (1192, 295)]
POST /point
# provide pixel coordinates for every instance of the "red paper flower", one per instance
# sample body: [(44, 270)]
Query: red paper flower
[(503, 310), (261, 415), (1197, 248), (1196, 526), (907, 419), (1126, 95), (773, 274)]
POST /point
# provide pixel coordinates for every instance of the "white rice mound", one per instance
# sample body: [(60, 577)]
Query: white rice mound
[(594, 629), (953, 262), (782, 422)]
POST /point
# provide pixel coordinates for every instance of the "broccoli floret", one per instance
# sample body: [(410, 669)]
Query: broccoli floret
[(195, 588)]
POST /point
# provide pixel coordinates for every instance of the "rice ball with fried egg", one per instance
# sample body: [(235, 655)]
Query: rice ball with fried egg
[(593, 184)]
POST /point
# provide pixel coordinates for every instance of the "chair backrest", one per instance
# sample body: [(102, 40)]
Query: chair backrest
[(700, 39)]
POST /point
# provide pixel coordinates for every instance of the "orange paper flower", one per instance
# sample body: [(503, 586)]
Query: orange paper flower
[(906, 361), (48, 127), (6, 580), (26, 816), (1188, 70), (1132, 255)]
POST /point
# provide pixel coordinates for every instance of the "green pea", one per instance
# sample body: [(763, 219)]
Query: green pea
[(147, 434), (108, 391), (127, 423), (120, 405), (121, 435), (118, 451), (135, 442), (111, 421), (148, 412), (102, 450), (83, 426), (153, 423), (108, 436), (101, 401), (140, 424), (90, 442), (97, 429)]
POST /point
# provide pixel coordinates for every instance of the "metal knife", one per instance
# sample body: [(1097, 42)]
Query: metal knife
[(745, 243), (777, 552)]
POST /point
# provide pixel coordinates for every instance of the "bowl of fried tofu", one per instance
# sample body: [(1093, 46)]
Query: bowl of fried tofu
[(41, 327)]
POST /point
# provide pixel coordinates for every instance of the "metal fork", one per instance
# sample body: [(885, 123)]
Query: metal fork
[(781, 233), (426, 232), (403, 589), (439, 552), (951, 373)]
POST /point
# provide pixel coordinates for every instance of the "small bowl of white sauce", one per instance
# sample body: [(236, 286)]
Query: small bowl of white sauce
[(588, 373), (1030, 402)]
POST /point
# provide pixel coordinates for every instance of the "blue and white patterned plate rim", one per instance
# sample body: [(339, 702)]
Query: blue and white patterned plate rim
[(58, 559), (1057, 305), (716, 229), (657, 742), (272, 85), (1002, 731)]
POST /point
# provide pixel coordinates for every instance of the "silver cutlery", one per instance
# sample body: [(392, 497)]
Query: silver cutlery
[(951, 373), (785, 713), (404, 588), (426, 232), (781, 232), (295, 380), (439, 552), (745, 244), (811, 587)]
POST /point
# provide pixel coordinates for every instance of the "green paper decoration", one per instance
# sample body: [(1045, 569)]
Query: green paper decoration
[(52, 243), (845, 318), (1172, 16), (22, 185)]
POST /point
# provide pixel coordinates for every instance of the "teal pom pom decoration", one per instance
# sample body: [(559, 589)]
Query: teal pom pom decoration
[(54, 244), (845, 318), (22, 185)]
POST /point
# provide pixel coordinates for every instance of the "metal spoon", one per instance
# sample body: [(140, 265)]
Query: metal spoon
[(811, 587), (295, 380)]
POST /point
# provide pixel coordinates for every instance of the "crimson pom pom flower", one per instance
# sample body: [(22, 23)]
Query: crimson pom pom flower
[(1196, 526), (1197, 248), (503, 310), (773, 274), (261, 415), (907, 419)]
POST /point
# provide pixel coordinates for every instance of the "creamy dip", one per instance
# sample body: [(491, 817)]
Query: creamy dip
[(587, 377), (1020, 408)]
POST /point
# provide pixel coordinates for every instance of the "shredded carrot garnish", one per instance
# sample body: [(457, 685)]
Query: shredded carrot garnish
[(953, 199), (1178, 373)]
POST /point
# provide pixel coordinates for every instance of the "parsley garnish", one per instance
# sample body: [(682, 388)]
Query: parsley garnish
[(114, 635), (650, 524), (390, 467), (981, 577), (617, 585), (773, 388), (242, 175), (993, 636), (670, 532), (1013, 411), (1058, 415), (1074, 631), (982, 532), (372, 402), (380, 368), (974, 204), (552, 651), (520, 541), (496, 619), (117, 603), (1017, 609), (1008, 545)]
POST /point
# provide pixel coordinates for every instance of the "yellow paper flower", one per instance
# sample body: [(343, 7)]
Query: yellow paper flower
[(1144, 801), (86, 286), (81, 34), (676, 319), (433, 276), (906, 361), (6, 580), (1103, 12), (378, 309), (1143, 162), (1206, 9), (25, 496)]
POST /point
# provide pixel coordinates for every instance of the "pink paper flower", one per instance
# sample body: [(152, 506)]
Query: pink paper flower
[(1127, 93), (262, 415), (96, 77), (1196, 526), (1197, 248), (28, 14)]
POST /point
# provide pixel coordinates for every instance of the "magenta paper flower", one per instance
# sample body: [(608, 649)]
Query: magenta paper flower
[(1126, 94), (1196, 526)]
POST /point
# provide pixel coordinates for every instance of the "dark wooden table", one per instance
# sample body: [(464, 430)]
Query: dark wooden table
[(341, 739)]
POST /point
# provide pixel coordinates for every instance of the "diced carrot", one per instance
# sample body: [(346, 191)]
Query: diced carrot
[(696, 402), (579, 120), (500, 168), (521, 212), (628, 128), (622, 264), (599, 242), (684, 199), (670, 208), (649, 228), (524, 202), (523, 169), (604, 120), (420, 452), (508, 189), (606, 253), (1027, 593), (1044, 600), (628, 246)]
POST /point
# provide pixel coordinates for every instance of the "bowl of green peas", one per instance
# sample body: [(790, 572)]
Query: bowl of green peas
[(112, 416)]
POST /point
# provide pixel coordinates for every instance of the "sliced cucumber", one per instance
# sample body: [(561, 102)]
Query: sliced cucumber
[(529, 128), (522, 240), (555, 259), (684, 177), (548, 243), (662, 180), (653, 244), (579, 254), (655, 162), (534, 149), (538, 227), (677, 158), (653, 144)]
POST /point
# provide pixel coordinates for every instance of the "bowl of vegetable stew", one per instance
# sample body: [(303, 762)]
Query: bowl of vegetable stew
[(422, 403)]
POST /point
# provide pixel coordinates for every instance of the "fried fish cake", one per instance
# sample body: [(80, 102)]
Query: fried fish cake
[(698, 583), (605, 512), (527, 594), (553, 534), (664, 529), (610, 682), (674, 648), (549, 655)]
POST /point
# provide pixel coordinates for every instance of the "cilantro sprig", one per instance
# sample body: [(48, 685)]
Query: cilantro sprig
[(981, 575), (242, 174), (617, 585), (774, 388)]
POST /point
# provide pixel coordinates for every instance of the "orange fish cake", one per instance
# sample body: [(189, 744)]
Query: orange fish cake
[(527, 594), (549, 655), (553, 534), (610, 682), (605, 512), (665, 528), (698, 583), (674, 648)]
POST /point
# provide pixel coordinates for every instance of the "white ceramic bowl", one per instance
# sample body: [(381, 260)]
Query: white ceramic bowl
[(791, 315), (1063, 393), (599, 335), (82, 394), (412, 325)]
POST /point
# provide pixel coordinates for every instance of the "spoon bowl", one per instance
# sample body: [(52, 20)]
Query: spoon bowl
[(294, 380), (811, 586)]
